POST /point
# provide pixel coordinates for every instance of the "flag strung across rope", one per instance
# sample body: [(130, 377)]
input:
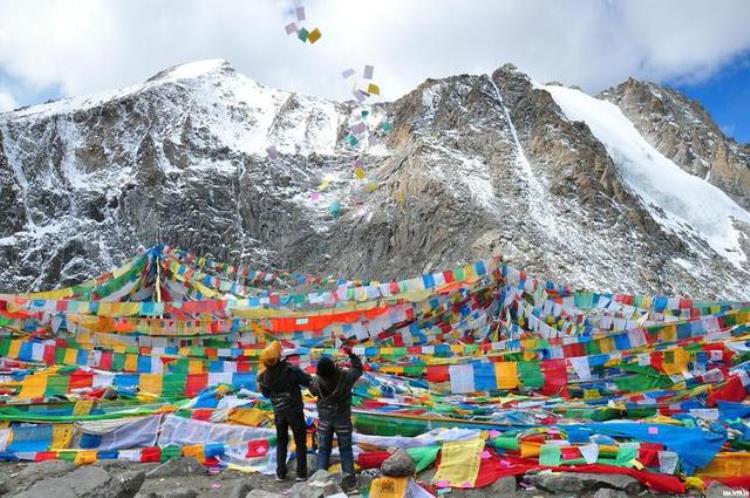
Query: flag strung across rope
[(499, 371)]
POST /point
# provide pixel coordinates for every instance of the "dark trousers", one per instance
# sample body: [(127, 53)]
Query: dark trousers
[(341, 425), (283, 422)]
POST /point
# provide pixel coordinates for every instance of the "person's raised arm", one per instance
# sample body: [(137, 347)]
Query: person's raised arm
[(303, 378), (355, 372)]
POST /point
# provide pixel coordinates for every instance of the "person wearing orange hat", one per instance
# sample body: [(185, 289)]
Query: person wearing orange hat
[(281, 382)]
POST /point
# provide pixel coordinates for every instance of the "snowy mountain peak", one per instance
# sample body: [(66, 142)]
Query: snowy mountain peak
[(193, 70), (469, 165)]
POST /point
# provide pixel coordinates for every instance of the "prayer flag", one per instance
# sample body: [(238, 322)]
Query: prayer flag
[(314, 35)]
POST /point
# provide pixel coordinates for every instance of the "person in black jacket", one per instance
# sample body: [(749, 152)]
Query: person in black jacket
[(281, 382), (333, 387)]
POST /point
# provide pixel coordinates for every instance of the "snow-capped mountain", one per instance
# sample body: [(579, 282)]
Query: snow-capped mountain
[(618, 192)]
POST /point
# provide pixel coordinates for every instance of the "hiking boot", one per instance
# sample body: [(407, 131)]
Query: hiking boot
[(348, 483), (280, 476), (301, 476)]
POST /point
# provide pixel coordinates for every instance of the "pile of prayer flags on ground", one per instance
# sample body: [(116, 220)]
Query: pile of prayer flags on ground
[(481, 370)]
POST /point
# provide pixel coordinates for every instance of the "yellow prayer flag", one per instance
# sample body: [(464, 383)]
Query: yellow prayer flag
[(131, 363), (530, 449), (314, 35), (727, 464), (15, 348), (33, 386), (373, 89), (247, 416), (669, 333), (151, 384), (392, 369), (607, 344), (195, 451), (85, 457), (71, 357), (82, 407), (506, 374), (359, 172), (459, 463), (195, 367), (679, 363), (62, 435), (389, 487)]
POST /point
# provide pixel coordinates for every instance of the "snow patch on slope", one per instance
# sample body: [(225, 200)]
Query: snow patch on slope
[(677, 199), (191, 70), (539, 204)]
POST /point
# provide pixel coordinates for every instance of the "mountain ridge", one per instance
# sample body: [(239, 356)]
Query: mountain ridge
[(475, 164)]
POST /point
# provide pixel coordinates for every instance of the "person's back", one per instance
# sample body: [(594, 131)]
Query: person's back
[(335, 392), (333, 387), (281, 383)]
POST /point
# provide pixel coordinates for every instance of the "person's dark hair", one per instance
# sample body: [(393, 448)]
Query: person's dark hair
[(326, 367)]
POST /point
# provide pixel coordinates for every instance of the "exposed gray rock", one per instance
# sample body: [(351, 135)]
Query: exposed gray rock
[(239, 488), (178, 493), (574, 482), (399, 464), (30, 474), (610, 493), (475, 165), (177, 467), (682, 130), (320, 475), (319, 485), (507, 486), (259, 493), (86, 482)]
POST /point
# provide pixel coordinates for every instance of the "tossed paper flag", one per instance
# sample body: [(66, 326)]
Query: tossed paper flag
[(359, 173), (272, 152), (359, 95), (314, 35), (346, 73), (358, 129), (290, 28), (369, 70), (335, 208), (300, 11), (302, 34), (373, 89)]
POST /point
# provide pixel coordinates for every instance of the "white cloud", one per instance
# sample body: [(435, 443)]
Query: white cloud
[(7, 102), (91, 45)]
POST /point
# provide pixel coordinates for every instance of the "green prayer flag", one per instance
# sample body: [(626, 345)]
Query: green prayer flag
[(550, 455), (423, 456)]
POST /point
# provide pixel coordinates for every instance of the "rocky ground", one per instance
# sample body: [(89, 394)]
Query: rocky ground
[(186, 478)]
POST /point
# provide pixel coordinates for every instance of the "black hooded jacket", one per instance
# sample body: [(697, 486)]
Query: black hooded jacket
[(335, 394), (281, 384)]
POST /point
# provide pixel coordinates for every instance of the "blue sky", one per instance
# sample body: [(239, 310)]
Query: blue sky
[(53, 48), (726, 95)]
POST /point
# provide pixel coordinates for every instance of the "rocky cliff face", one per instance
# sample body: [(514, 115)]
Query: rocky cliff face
[(473, 165), (682, 130)]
